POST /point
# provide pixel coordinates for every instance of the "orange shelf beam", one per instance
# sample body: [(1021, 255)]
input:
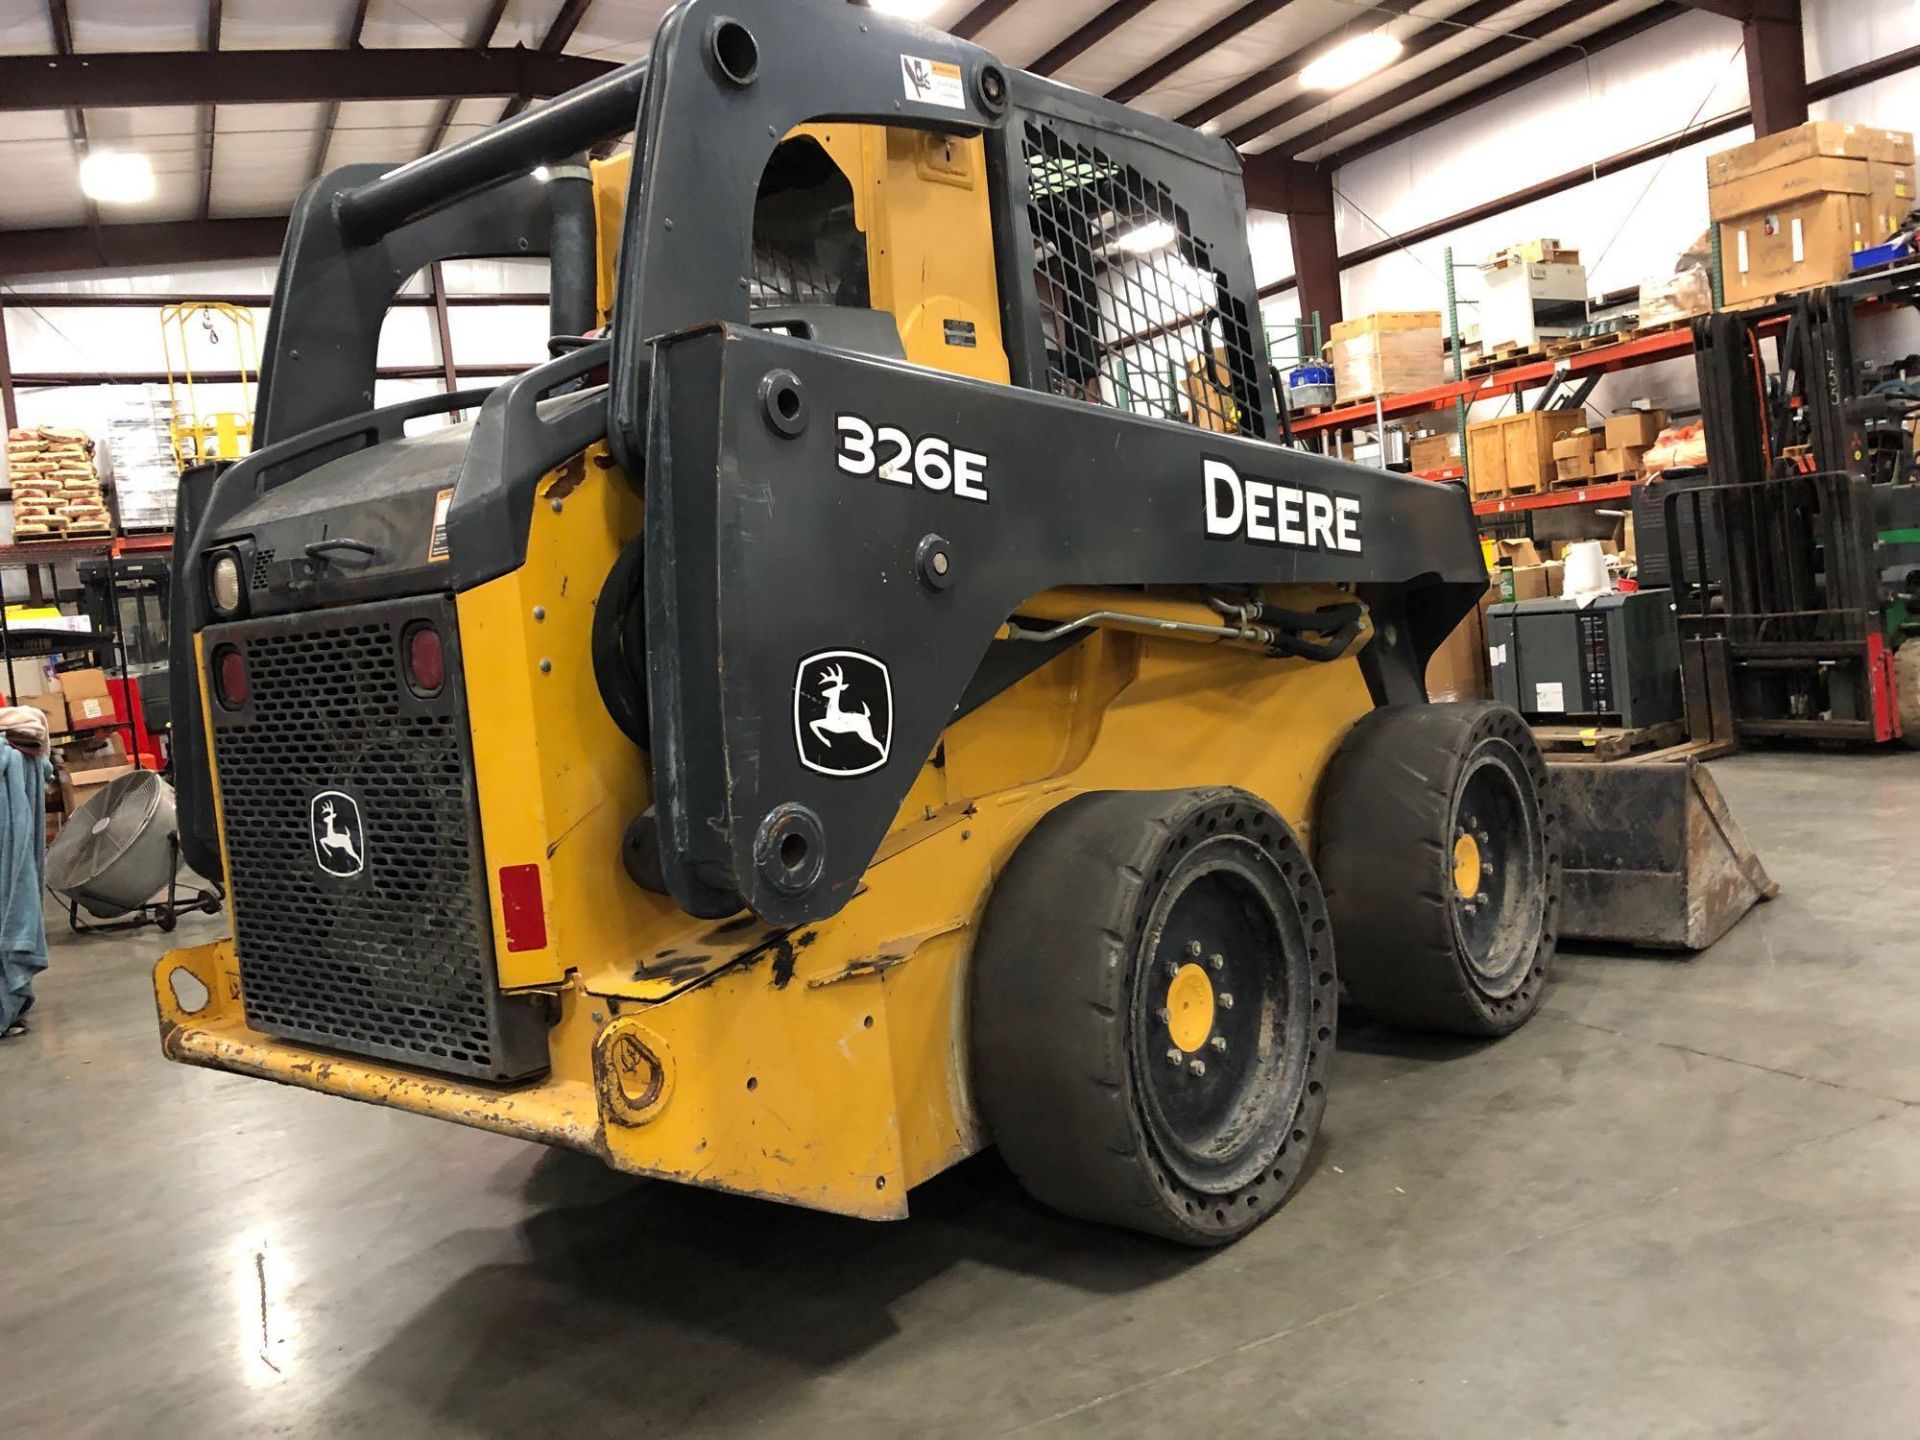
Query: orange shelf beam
[(1548, 499), (1643, 350)]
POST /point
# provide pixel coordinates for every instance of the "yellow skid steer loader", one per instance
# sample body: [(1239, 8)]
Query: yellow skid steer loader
[(878, 691)]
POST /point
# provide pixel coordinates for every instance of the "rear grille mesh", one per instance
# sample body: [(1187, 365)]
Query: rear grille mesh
[(396, 962)]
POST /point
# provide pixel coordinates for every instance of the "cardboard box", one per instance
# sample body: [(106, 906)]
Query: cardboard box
[(1793, 207), (1389, 353), (1517, 552), (1457, 670), (1637, 427), (1531, 582), (85, 765), (1771, 189), (83, 684), (52, 707), (1513, 455), (1210, 402), (1545, 251), (89, 704), (1622, 460), (30, 678), (1570, 469), (1797, 247), (1435, 452), (1580, 442), (1817, 137)]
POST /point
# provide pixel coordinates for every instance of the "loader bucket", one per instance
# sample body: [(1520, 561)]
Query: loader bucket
[(1651, 856)]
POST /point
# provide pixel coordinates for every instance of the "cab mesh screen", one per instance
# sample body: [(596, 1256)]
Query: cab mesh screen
[(1137, 314)]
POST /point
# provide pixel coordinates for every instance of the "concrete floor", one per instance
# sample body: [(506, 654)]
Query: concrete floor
[(1681, 1203)]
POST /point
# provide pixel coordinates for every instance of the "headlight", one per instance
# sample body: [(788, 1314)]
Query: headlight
[(223, 584)]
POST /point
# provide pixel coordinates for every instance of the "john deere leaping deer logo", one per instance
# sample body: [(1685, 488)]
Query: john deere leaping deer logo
[(339, 838), (842, 712)]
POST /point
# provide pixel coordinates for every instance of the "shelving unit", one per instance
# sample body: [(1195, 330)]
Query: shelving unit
[(108, 648), (1508, 380), (1628, 354), (1493, 384)]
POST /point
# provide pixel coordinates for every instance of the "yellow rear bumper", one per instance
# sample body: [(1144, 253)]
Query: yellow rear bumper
[(214, 1033)]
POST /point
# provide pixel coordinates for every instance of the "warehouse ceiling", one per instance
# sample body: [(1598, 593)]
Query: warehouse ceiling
[(238, 103)]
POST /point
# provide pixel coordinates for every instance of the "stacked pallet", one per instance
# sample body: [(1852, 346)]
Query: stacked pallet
[(56, 490)]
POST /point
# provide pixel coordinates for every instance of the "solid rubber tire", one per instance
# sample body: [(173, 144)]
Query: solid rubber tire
[(1384, 855), (1062, 945)]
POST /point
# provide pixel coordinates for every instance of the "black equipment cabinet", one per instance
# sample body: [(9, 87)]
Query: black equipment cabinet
[(1613, 658)]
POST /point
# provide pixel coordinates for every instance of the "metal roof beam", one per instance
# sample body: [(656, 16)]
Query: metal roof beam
[(483, 37), (981, 16), (62, 26), (1089, 35), (1746, 10), (1289, 66), (323, 139), (1485, 94), (1839, 83), (551, 43), (1205, 43), (151, 246), (271, 77), (207, 115), (1495, 48)]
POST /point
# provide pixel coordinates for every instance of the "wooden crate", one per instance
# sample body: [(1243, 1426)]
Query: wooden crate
[(1391, 352), (1513, 455)]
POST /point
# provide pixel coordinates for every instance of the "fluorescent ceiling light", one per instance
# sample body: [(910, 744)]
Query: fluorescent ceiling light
[(1352, 61), (1147, 238), (905, 9), (116, 177)]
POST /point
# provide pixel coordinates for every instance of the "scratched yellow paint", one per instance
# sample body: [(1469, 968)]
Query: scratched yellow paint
[(557, 781), (831, 1069)]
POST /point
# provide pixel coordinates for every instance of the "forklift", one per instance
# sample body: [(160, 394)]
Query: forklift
[(1795, 556), (829, 719)]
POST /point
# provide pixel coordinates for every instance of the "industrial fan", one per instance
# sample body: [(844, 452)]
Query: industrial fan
[(117, 852)]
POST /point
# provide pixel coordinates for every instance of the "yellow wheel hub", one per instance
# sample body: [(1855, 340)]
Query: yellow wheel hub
[(1466, 865), (1190, 1008)]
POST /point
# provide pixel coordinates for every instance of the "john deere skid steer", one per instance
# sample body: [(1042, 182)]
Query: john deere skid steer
[(878, 691)]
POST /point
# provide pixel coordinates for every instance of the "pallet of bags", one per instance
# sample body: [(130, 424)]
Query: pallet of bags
[(56, 489)]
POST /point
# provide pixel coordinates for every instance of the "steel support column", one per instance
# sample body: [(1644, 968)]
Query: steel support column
[(1776, 66), (1316, 260), (1304, 195), (8, 405)]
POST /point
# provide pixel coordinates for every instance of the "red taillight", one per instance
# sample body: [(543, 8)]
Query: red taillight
[(426, 660), (230, 678)]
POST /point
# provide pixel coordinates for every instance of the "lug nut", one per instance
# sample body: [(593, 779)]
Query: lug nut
[(1196, 1067), (1173, 968), (1224, 1000), (1173, 1056), (1163, 1015), (1219, 1044), (1217, 962), (1193, 948)]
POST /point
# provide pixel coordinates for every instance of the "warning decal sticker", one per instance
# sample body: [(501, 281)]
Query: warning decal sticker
[(932, 82)]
